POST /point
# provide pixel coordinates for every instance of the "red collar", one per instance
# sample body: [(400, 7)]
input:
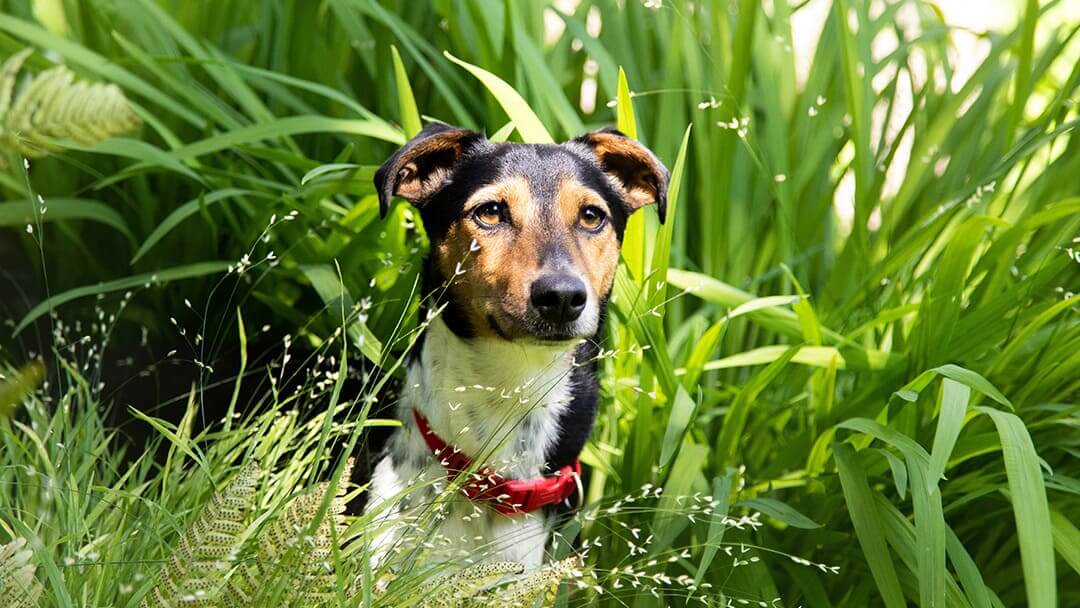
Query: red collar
[(507, 496)]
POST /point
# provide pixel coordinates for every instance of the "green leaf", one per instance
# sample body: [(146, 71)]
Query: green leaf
[(867, 522), (168, 275), (973, 380), (779, 510), (503, 133), (292, 125), (762, 303), (818, 356), (913, 452), (327, 283), (968, 571), (953, 406), (78, 55), (187, 210), (929, 535), (141, 151), (662, 253), (1028, 494), (633, 243), (1066, 539), (21, 213), (525, 120), (1022, 84), (699, 355), (178, 439), (322, 170), (721, 491), (899, 472), (902, 538), (713, 290), (735, 421), (941, 309), (410, 116), (683, 408), (624, 108), (667, 521), (547, 86)]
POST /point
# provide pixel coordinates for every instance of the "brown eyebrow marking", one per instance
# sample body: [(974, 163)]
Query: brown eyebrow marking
[(514, 191), (573, 195)]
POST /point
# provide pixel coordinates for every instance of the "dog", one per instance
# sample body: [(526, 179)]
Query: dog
[(501, 391)]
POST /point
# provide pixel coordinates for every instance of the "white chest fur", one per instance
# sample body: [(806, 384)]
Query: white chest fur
[(497, 401)]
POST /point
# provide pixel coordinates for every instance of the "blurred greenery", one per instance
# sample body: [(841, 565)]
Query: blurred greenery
[(861, 319)]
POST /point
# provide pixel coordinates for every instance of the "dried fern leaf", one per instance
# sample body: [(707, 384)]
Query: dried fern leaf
[(287, 548), (458, 589), (526, 592), (18, 587), (8, 73), (55, 105), (197, 568)]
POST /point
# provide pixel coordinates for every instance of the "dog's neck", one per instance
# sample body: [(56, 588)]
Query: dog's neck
[(497, 401)]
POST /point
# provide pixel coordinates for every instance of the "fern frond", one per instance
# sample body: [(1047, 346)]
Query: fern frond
[(18, 586), (528, 591), (288, 543), (55, 105), (458, 589), (8, 73), (196, 570), (479, 586)]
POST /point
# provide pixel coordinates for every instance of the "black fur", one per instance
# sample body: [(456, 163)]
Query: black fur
[(474, 163), (576, 422)]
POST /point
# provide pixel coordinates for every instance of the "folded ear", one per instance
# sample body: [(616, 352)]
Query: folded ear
[(643, 177), (423, 165)]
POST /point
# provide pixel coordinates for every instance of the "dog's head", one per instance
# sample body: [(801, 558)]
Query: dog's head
[(526, 236)]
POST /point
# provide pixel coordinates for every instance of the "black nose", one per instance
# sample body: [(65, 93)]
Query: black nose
[(558, 298)]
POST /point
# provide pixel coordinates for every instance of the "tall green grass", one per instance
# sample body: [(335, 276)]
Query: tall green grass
[(867, 334)]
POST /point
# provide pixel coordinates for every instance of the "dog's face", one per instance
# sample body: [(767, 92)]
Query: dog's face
[(524, 237)]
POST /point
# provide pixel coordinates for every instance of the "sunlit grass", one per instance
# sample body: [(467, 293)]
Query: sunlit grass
[(860, 320)]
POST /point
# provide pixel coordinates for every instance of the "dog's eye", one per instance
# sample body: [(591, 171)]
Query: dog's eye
[(490, 214), (591, 218)]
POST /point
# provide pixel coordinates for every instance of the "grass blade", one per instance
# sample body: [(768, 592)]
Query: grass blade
[(1028, 494), (867, 522), (525, 120), (727, 443), (953, 406), (410, 116), (1066, 539), (177, 273), (187, 210), (21, 213), (292, 125)]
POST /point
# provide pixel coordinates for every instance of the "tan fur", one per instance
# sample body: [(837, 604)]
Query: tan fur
[(631, 164), (595, 255), (415, 183), (494, 279), (493, 282)]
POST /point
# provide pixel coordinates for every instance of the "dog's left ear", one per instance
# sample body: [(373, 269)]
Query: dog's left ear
[(643, 177), (423, 165)]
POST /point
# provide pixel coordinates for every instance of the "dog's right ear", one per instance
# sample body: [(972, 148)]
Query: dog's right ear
[(423, 165)]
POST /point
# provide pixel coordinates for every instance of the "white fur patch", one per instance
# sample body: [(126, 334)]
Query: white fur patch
[(497, 401)]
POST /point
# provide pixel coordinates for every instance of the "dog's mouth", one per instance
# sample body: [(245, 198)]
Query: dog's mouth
[(536, 330)]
